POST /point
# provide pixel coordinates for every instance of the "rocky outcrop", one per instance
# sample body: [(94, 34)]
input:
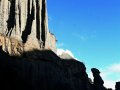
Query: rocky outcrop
[(35, 71), (117, 86), (98, 82), (23, 33), (26, 21)]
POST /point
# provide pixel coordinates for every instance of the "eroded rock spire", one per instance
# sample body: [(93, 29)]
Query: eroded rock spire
[(26, 21)]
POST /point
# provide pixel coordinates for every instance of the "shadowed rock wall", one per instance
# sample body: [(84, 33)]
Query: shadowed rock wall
[(35, 71), (44, 70)]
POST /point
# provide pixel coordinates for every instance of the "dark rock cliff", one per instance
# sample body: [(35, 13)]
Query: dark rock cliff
[(24, 27), (42, 70)]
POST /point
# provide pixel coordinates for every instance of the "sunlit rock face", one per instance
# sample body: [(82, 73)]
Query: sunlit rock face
[(11, 45), (26, 21)]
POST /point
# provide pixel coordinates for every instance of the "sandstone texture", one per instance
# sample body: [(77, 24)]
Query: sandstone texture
[(27, 22), (11, 45)]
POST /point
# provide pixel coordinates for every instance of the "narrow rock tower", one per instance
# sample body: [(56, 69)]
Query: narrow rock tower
[(27, 22)]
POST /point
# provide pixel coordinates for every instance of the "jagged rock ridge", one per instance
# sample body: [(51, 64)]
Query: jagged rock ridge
[(34, 71)]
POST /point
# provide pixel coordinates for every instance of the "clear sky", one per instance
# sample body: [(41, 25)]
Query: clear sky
[(90, 29)]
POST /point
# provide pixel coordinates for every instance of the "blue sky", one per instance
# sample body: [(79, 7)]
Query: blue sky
[(90, 29)]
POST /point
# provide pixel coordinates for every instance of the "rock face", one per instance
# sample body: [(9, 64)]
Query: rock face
[(11, 45), (35, 71), (26, 21), (117, 86), (98, 82), (51, 42)]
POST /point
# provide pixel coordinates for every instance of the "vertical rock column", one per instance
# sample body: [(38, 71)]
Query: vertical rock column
[(26, 21), (36, 25), (3, 15)]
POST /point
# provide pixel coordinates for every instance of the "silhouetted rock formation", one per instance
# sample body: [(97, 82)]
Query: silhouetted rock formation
[(117, 86), (23, 33), (98, 82), (44, 70), (41, 70), (27, 22)]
